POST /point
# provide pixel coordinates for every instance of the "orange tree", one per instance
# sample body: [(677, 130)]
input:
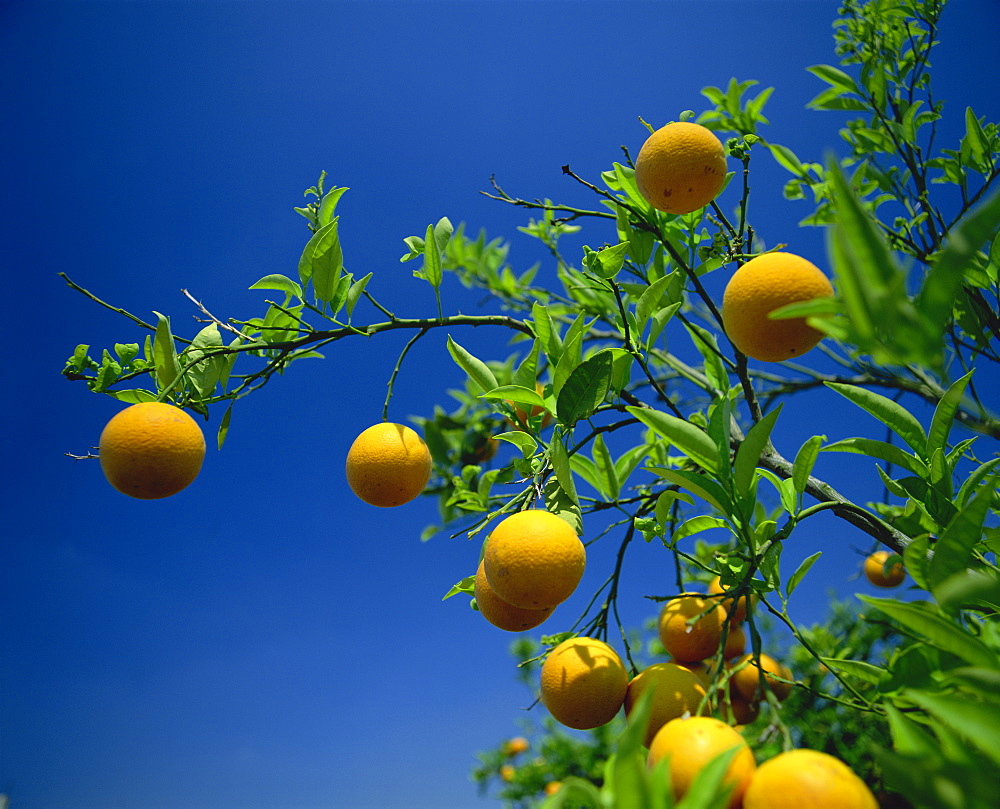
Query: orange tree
[(635, 412)]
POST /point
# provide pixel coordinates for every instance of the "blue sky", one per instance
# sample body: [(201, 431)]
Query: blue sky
[(264, 640)]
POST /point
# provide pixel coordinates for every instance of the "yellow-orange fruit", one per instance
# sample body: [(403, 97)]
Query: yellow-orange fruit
[(583, 683), (739, 612), (681, 167), (736, 642), (676, 691), (501, 614), (691, 743), (686, 640), (746, 678), (534, 560), (552, 787), (762, 285), (151, 450), (516, 746), (884, 569), (807, 779), (388, 465)]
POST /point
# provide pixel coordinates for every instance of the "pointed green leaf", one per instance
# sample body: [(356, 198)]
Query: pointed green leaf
[(805, 459), (605, 466), (953, 550), (282, 283), (974, 719), (880, 450), (585, 388), (559, 458), (322, 261), (800, 573), (944, 415), (748, 454), (689, 439), (892, 414), (924, 620), (165, 360), (476, 369), (356, 291), (856, 668), (699, 485)]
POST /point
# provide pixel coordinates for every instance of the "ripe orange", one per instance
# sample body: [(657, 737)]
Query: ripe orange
[(681, 167), (884, 569), (691, 641), (151, 450), (501, 614), (699, 667), (388, 465), (760, 286), (583, 683), (740, 711), (739, 613), (552, 787), (745, 680), (507, 772), (807, 779), (692, 743), (676, 691), (516, 746), (534, 560), (736, 642)]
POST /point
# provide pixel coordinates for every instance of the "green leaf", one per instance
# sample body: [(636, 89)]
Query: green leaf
[(585, 388), (605, 466), (559, 458), (915, 560), (892, 414), (165, 360), (708, 347), (651, 299), (696, 525), (203, 372), (925, 621), (699, 485), (953, 551), (546, 332), (608, 262), (856, 668), (873, 448), (279, 282), (805, 459), (689, 439), (974, 719), (800, 573), (476, 369), (132, 396), (944, 415), (355, 292), (526, 374), (522, 440), (224, 425), (562, 503), (748, 454), (328, 206)]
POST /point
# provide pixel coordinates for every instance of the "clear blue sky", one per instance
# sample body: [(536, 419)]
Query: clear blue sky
[(264, 640)]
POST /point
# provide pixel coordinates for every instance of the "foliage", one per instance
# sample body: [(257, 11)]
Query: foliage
[(662, 429)]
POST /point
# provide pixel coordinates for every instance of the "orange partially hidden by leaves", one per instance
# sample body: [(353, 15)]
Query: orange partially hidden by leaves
[(739, 612), (884, 569), (583, 683), (691, 743), (762, 285), (388, 465), (807, 779), (501, 614), (745, 680), (516, 746), (681, 167), (534, 560), (552, 787), (151, 450), (507, 772), (690, 627), (522, 416), (676, 691)]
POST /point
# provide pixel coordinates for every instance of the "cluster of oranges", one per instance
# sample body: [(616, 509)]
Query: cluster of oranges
[(682, 167), (584, 684)]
